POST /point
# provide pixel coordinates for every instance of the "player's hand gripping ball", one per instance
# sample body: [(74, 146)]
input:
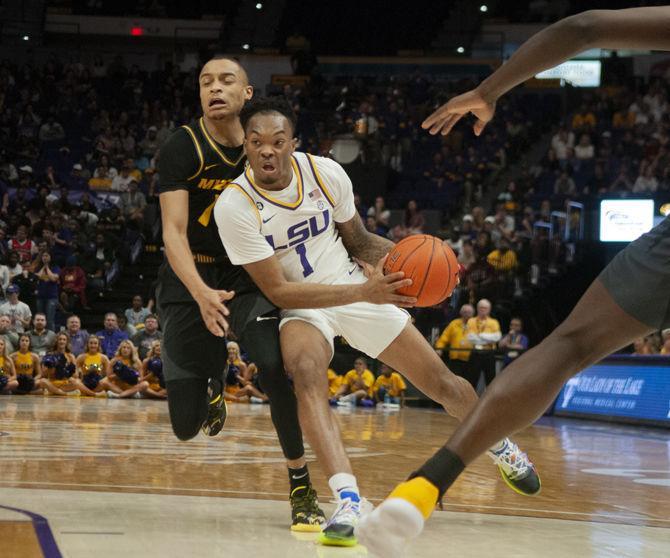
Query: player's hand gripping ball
[(430, 264)]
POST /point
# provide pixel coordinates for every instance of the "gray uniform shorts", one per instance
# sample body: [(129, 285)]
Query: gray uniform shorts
[(638, 278)]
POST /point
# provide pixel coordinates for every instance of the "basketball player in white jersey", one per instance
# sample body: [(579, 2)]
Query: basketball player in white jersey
[(290, 220)]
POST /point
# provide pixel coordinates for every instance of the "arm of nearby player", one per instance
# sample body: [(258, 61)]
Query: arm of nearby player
[(177, 163), (239, 227), (634, 28), (361, 244)]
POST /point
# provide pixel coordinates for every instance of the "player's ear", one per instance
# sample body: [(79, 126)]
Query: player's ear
[(294, 144), (248, 92)]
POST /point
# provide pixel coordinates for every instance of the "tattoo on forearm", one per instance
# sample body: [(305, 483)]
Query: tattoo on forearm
[(364, 245)]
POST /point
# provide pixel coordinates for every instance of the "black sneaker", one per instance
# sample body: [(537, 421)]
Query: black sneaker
[(306, 514), (216, 410)]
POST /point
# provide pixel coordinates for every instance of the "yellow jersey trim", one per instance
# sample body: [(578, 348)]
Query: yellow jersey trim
[(215, 147), (275, 201), (198, 149)]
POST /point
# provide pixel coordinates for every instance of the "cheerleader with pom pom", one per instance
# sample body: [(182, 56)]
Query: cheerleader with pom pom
[(27, 366), (92, 367), (123, 379), (8, 382), (60, 369), (152, 373)]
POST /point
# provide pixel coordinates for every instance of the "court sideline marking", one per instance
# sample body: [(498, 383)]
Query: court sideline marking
[(43, 532)]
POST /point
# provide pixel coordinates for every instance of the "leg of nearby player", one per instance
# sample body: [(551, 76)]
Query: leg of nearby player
[(594, 329), (306, 357), (411, 355)]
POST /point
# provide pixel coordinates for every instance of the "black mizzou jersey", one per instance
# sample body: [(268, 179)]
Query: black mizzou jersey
[(192, 160)]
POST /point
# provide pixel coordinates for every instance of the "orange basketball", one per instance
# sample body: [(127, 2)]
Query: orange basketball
[(431, 264)]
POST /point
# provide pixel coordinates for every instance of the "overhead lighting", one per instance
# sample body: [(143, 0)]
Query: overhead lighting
[(665, 209), (483, 8), (26, 38), (246, 46), (460, 50), (259, 6)]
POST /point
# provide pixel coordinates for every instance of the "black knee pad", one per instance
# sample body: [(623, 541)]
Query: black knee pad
[(187, 403)]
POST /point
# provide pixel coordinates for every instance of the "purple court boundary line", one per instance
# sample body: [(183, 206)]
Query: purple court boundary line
[(42, 530)]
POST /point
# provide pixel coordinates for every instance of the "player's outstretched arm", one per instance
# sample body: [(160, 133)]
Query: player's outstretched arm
[(634, 28), (362, 244), (174, 214)]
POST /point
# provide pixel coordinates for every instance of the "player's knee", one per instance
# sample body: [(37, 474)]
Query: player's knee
[(304, 369)]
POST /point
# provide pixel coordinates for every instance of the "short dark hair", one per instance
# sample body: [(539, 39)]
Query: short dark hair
[(266, 105)]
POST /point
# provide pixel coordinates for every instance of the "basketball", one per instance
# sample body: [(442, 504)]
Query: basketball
[(431, 264)]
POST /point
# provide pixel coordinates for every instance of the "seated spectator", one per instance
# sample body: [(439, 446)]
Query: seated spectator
[(4, 280), (73, 285), (78, 179), (413, 220), (623, 119), (436, 174), (584, 150), (137, 313), (78, 337), (10, 337), (19, 313), (147, 335), (27, 365), (665, 348), (514, 342), (55, 365), (126, 327), (564, 185), (113, 224), (238, 383), (466, 257), (117, 383), (334, 382), (22, 245), (47, 289), (51, 131), (381, 215), (13, 265), (152, 372), (111, 336), (503, 259), (560, 143), (642, 347), (150, 144), (389, 387), (120, 181), (356, 386), (133, 203), (104, 170), (27, 283), (41, 338), (584, 120), (646, 182), (7, 370)]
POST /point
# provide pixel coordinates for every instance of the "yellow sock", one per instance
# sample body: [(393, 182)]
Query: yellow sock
[(419, 492)]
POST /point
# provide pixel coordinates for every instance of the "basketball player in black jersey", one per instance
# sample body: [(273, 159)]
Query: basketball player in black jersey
[(200, 293)]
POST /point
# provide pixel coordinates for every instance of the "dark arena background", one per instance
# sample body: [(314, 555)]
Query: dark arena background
[(574, 166)]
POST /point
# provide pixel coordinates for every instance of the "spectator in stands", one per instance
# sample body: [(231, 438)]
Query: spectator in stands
[(565, 185), (125, 326), (584, 120), (561, 142), (104, 170), (13, 265), (466, 257), (113, 224), (665, 348), (133, 203), (27, 282), (514, 342), (436, 174), (10, 337), (78, 337), (4, 249), (41, 338), (78, 179), (584, 150), (73, 285), (47, 289), (623, 182), (22, 245), (356, 386), (641, 347), (149, 333), (4, 280), (389, 387), (646, 182), (19, 312), (150, 144), (503, 259), (120, 181), (137, 313), (483, 333), (454, 336), (111, 336), (51, 131), (381, 215), (114, 383), (623, 119)]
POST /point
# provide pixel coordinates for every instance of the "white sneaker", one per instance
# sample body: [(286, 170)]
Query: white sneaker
[(516, 469), (386, 531), (339, 530), (74, 393), (112, 395), (138, 395), (255, 400)]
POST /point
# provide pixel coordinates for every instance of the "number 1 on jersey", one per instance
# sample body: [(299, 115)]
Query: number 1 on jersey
[(301, 249)]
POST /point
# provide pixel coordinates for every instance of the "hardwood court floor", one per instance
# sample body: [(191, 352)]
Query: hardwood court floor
[(112, 480)]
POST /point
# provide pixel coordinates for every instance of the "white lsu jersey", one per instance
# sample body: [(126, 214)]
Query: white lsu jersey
[(297, 224)]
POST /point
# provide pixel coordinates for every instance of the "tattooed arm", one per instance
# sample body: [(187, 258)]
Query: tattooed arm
[(362, 244)]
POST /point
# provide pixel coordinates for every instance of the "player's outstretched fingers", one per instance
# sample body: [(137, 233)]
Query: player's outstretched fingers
[(399, 284), (395, 277), (226, 295)]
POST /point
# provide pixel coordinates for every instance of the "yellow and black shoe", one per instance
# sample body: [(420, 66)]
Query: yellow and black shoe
[(516, 469), (340, 529), (216, 410), (307, 516)]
